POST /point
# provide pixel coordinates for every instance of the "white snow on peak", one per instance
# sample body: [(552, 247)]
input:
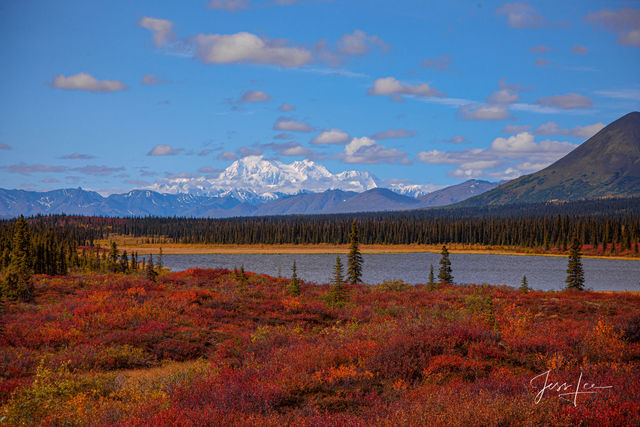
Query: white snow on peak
[(254, 178)]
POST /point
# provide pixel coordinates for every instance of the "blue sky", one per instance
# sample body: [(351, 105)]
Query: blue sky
[(117, 95)]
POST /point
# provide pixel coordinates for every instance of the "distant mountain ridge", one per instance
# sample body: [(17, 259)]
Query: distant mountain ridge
[(151, 203), (606, 165)]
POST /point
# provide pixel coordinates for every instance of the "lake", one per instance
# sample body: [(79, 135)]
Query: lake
[(544, 273)]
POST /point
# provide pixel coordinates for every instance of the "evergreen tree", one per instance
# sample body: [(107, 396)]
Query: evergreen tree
[(444, 275), (124, 262), (294, 285), (338, 292), (431, 283), (354, 259), (159, 265), (113, 256), (17, 280), (524, 286), (575, 273), (150, 271)]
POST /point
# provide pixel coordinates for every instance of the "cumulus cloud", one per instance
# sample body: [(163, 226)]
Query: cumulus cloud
[(394, 133), (579, 50), (77, 156), (4, 146), (553, 128), (359, 43), (504, 158), (283, 135), (623, 22), (85, 81), (506, 94), (25, 169), (97, 170), (367, 151), (540, 49), (331, 136), (290, 125), (286, 107), (245, 47), (164, 150), (228, 5), (441, 63), (161, 29), (391, 86), (255, 96), (289, 149), (568, 101), (227, 155), (483, 112), (153, 80), (520, 15)]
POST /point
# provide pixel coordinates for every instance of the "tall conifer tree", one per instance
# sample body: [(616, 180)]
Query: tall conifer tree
[(354, 259), (575, 273), (444, 275)]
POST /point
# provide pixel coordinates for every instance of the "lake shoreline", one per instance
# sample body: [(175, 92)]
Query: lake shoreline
[(200, 249)]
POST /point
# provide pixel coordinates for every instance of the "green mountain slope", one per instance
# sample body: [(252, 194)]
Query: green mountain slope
[(606, 165)]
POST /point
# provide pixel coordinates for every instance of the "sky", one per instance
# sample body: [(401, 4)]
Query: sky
[(118, 95)]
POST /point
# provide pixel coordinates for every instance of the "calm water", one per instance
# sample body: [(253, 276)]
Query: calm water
[(547, 273)]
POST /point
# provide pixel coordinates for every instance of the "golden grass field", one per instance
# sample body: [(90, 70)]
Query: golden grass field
[(131, 244)]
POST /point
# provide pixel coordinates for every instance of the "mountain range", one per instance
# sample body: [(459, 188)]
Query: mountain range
[(146, 202), (606, 165)]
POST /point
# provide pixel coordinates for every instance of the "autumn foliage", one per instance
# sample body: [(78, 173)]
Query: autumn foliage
[(202, 347)]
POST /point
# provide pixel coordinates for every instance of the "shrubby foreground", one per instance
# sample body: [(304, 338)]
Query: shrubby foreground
[(203, 347)]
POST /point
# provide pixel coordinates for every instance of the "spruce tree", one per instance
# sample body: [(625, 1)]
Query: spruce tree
[(17, 280), (524, 286), (575, 273), (444, 275), (160, 265), (338, 292), (113, 256), (354, 259), (294, 285), (150, 271), (431, 283)]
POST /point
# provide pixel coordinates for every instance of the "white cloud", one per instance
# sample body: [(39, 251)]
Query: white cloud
[(393, 134), (4, 147), (286, 107), (566, 102), (391, 86), (228, 5), (331, 136), (245, 47), (552, 128), (633, 94), (164, 150), (98, 170), (366, 150), (161, 28), (84, 81), (623, 22), (255, 96), (359, 43), (503, 96), (77, 156), (522, 149), (483, 112), (520, 15), (286, 124)]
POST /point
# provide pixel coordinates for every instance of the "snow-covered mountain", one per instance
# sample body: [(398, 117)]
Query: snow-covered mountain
[(255, 179)]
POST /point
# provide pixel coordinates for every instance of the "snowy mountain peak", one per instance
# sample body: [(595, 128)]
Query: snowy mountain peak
[(254, 178)]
